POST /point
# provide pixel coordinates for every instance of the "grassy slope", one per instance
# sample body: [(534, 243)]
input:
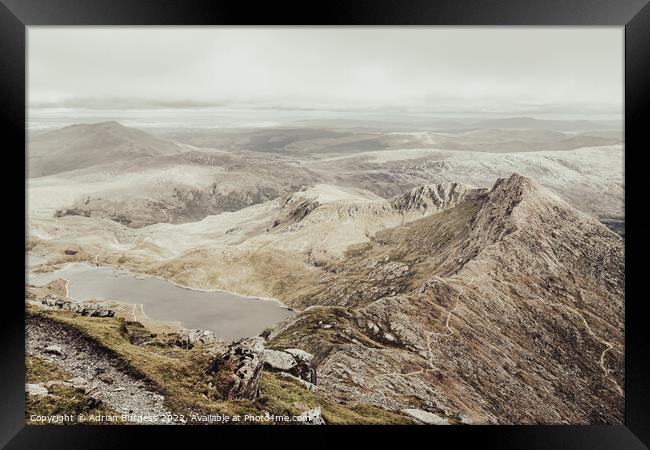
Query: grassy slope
[(181, 377)]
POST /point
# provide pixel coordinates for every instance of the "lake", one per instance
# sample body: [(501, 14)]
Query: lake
[(229, 316)]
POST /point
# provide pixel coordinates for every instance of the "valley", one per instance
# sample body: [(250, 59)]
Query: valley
[(457, 272)]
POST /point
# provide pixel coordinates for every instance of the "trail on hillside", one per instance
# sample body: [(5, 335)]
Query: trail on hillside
[(82, 358)]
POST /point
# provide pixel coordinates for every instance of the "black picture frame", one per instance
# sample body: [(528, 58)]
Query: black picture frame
[(634, 15)]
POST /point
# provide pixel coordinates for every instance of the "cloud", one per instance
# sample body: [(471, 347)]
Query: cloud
[(424, 68)]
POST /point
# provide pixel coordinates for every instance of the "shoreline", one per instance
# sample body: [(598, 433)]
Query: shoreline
[(140, 275)]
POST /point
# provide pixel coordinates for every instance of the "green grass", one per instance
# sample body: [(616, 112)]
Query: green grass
[(286, 397)]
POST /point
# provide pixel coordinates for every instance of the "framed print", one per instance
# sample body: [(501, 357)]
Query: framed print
[(410, 218)]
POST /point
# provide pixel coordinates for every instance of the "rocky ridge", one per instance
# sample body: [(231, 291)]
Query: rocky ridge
[(527, 281)]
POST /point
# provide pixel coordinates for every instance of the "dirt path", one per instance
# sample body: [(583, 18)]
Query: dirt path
[(449, 332), (82, 358)]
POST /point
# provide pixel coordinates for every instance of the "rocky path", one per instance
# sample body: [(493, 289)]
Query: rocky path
[(93, 370), (431, 334), (449, 331)]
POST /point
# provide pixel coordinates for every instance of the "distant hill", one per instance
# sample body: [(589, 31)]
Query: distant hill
[(79, 146), (540, 124)]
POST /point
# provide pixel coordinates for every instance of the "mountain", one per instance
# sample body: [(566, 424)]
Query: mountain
[(86, 145), (434, 196), (459, 304), (507, 308)]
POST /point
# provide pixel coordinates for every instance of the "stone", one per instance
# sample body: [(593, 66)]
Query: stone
[(95, 399), (426, 417), (311, 417), (54, 349), (106, 378), (279, 360), (300, 355), (294, 361), (36, 389), (78, 382), (306, 384), (373, 327)]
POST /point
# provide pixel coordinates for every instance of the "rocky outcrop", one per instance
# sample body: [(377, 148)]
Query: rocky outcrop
[(188, 338), (293, 209), (238, 370), (90, 309), (501, 309), (434, 197), (293, 361)]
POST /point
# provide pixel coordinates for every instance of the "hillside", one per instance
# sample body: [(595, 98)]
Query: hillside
[(451, 304), (507, 308), (86, 145)]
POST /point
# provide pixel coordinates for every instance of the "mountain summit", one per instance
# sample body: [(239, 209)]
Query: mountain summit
[(505, 308)]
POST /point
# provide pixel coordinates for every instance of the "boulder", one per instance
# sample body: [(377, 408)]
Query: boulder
[(300, 355), (279, 360), (425, 417), (293, 361), (95, 398), (237, 371), (36, 389), (83, 308), (191, 338)]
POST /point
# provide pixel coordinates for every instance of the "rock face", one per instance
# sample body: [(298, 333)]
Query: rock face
[(434, 196), (506, 308), (294, 209), (239, 368)]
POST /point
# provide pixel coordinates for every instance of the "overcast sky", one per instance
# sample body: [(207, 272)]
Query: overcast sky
[(517, 70)]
